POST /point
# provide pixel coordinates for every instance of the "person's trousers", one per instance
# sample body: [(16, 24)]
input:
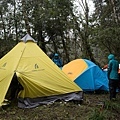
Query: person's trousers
[(113, 85)]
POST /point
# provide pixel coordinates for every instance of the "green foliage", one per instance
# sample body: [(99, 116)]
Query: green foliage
[(112, 105), (55, 24), (88, 110), (106, 31), (97, 115)]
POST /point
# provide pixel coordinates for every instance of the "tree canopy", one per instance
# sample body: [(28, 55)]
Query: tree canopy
[(63, 26)]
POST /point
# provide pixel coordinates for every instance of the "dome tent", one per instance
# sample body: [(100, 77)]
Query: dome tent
[(86, 74)]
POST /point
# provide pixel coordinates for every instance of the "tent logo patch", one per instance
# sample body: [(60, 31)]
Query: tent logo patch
[(36, 66), (4, 64)]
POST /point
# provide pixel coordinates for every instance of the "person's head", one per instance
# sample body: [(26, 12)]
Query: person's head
[(111, 56), (56, 56)]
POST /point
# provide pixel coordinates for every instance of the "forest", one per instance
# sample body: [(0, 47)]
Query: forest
[(67, 27), (87, 29)]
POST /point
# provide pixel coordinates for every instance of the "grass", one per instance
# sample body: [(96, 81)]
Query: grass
[(94, 107)]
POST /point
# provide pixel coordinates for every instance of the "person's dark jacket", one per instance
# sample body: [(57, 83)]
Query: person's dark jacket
[(56, 59)]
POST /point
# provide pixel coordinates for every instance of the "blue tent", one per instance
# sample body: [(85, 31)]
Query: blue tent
[(87, 75)]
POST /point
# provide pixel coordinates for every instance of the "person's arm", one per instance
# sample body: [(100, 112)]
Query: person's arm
[(109, 68), (61, 64), (118, 67)]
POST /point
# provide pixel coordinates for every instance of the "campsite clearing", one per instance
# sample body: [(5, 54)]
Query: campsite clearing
[(95, 106)]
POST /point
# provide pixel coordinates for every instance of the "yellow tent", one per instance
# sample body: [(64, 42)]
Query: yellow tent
[(43, 82)]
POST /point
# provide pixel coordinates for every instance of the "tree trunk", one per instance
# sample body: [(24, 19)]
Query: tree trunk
[(3, 25), (87, 53), (15, 22), (114, 11), (65, 50), (25, 17), (41, 41)]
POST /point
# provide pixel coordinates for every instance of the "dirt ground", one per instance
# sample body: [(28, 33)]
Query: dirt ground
[(96, 106)]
